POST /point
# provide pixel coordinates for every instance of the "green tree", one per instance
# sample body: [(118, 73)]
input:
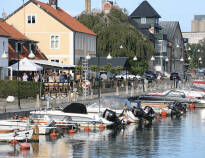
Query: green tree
[(114, 30), (94, 68), (78, 70), (196, 51)]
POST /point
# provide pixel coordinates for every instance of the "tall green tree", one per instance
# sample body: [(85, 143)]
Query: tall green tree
[(114, 31)]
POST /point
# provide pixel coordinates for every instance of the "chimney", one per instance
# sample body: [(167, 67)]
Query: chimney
[(54, 3)]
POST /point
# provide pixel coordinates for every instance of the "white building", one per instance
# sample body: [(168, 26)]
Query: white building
[(3, 50)]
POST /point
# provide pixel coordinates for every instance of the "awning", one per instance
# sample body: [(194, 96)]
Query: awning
[(53, 64), (26, 65)]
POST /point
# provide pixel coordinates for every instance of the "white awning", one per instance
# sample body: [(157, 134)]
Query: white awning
[(53, 64), (25, 65)]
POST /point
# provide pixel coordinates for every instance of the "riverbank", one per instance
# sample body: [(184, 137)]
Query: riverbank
[(54, 101)]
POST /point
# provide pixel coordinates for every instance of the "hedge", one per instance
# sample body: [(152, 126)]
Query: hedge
[(27, 89)]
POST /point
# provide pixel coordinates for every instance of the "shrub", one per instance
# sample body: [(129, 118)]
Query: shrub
[(27, 89)]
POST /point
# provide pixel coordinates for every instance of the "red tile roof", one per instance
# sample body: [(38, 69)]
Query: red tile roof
[(3, 32), (13, 54), (65, 18), (12, 31)]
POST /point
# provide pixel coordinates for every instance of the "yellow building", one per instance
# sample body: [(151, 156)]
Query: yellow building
[(61, 37)]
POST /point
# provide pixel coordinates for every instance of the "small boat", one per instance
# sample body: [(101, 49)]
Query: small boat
[(74, 113), (124, 109), (23, 124), (15, 134)]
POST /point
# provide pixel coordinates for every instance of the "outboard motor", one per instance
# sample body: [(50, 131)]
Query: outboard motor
[(138, 112), (111, 116), (149, 113), (177, 109)]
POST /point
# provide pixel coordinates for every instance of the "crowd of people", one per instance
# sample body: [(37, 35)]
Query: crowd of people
[(51, 77)]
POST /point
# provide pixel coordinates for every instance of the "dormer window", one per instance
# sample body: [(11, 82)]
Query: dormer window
[(19, 47), (143, 20), (31, 19)]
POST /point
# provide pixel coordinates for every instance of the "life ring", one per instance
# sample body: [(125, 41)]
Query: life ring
[(86, 84)]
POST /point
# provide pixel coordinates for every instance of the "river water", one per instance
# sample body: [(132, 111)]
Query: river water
[(166, 138)]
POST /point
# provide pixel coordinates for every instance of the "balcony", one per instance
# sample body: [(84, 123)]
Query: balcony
[(160, 37)]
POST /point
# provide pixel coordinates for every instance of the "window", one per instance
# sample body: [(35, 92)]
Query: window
[(54, 42), (55, 60), (31, 19), (143, 20)]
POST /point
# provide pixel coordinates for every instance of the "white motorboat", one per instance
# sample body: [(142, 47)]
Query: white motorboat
[(20, 135), (124, 109), (44, 128), (74, 113)]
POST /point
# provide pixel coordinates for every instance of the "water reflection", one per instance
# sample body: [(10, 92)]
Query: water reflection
[(165, 138)]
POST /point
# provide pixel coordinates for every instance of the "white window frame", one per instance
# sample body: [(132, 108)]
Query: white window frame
[(143, 20), (55, 60), (31, 15), (55, 47)]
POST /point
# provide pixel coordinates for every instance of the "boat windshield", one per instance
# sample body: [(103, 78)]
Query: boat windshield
[(116, 103)]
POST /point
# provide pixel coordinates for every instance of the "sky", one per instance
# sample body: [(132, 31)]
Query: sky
[(170, 10)]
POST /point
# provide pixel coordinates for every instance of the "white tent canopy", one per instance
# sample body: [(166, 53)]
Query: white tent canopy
[(53, 64), (26, 65)]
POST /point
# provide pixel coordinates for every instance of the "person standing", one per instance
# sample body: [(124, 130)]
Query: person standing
[(30, 77), (25, 77)]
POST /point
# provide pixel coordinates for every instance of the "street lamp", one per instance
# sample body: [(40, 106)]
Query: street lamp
[(182, 59), (31, 55), (109, 56), (199, 61), (166, 61), (4, 55), (189, 58), (153, 59), (88, 57), (135, 58)]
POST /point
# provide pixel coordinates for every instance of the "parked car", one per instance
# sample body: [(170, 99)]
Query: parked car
[(128, 76), (149, 75), (174, 75)]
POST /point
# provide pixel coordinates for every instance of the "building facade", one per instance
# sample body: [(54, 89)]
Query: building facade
[(198, 24), (146, 20), (61, 37), (3, 49), (174, 61)]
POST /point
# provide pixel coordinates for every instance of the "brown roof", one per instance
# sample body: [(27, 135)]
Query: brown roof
[(13, 55), (3, 32), (13, 33), (65, 18)]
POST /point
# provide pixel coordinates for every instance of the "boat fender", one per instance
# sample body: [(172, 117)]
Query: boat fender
[(24, 146), (191, 106), (86, 129)]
